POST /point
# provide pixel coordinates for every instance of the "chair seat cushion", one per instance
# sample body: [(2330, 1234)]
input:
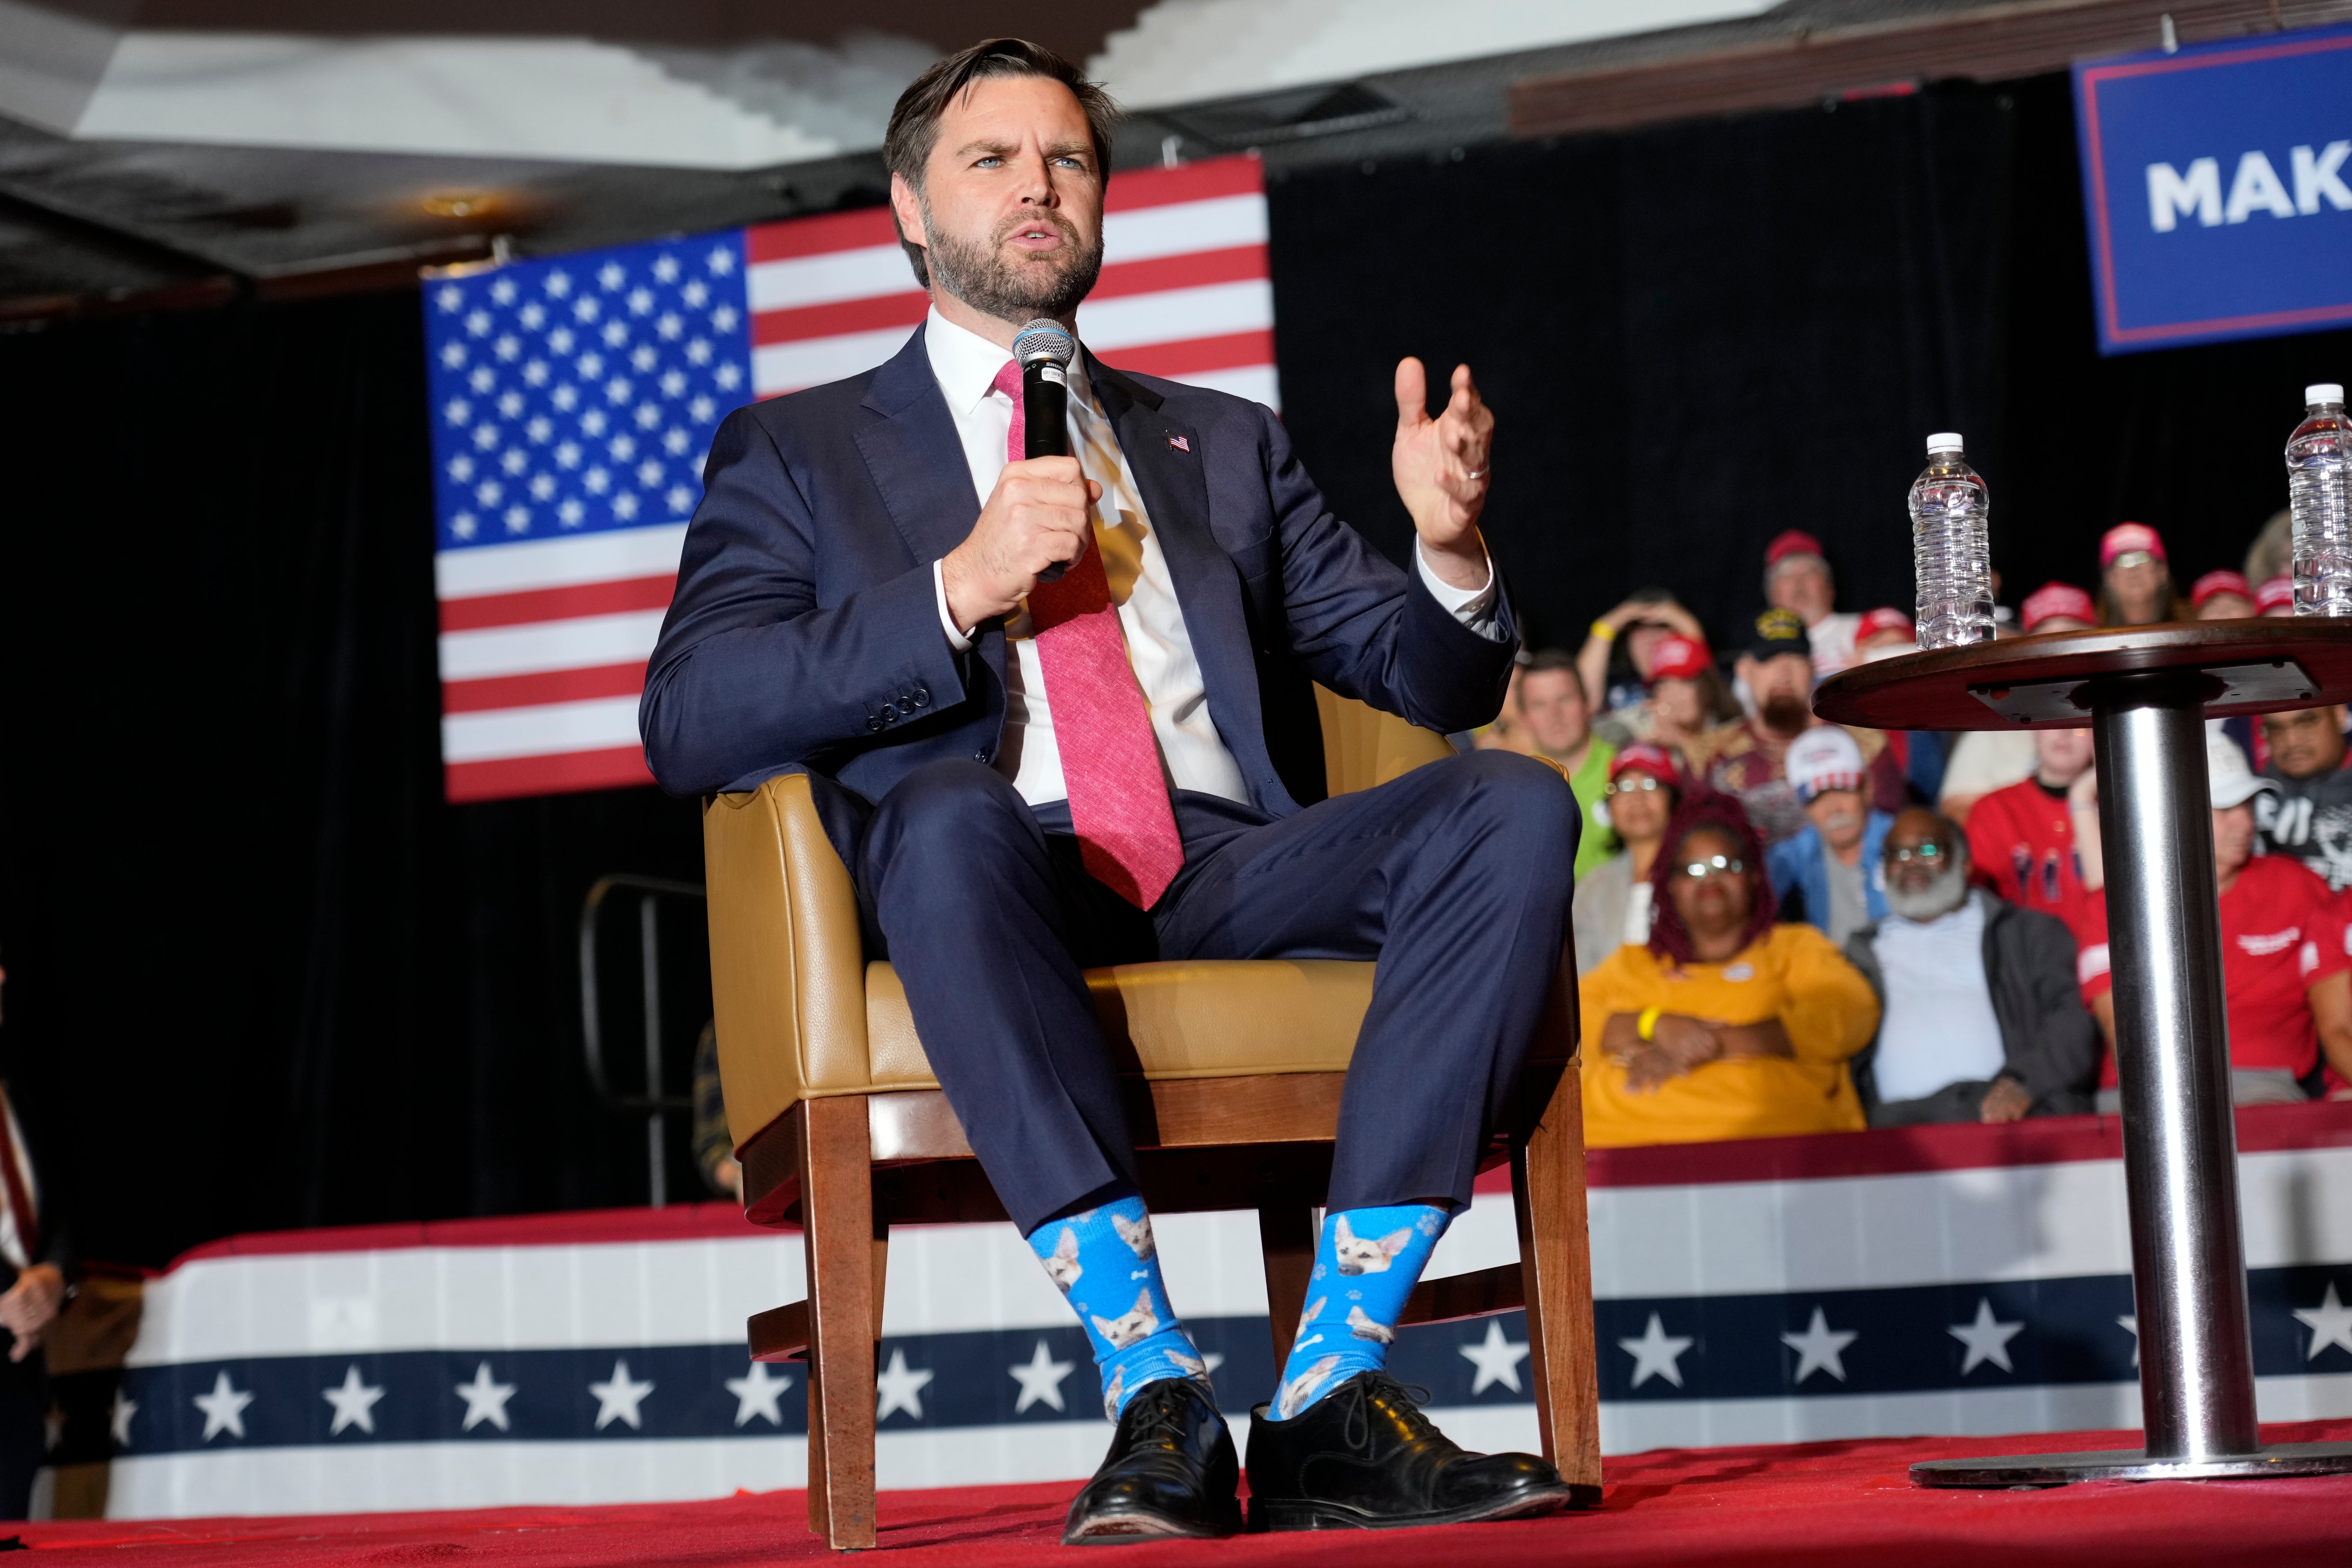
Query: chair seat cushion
[(1236, 1019)]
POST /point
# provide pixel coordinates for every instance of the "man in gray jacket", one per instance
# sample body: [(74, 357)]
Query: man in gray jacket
[(1983, 1020)]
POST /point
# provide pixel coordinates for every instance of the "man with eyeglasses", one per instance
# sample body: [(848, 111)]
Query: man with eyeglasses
[(1983, 1020)]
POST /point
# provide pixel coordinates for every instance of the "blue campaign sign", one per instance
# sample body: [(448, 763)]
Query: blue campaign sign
[(2217, 183)]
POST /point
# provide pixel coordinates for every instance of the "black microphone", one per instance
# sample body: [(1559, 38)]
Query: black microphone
[(1044, 351)]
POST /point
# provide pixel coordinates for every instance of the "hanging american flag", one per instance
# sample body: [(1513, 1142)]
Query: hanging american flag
[(574, 400)]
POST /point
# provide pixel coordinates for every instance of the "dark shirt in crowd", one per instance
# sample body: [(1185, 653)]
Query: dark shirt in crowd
[(2310, 819)]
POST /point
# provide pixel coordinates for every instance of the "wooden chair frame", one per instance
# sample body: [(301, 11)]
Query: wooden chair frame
[(847, 1167)]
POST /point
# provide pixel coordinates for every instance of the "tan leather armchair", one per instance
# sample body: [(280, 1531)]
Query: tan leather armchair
[(1235, 1071)]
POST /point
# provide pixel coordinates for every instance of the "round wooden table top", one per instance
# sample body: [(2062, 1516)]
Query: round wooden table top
[(2028, 683)]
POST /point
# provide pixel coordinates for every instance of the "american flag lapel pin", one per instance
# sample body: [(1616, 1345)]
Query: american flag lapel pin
[(1180, 443)]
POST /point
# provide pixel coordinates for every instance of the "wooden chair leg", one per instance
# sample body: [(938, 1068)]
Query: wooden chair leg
[(1286, 1235), (1555, 1267), (845, 1315)]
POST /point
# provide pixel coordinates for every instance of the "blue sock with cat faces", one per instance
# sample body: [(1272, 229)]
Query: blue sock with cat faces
[(1366, 1263), (1104, 1261)]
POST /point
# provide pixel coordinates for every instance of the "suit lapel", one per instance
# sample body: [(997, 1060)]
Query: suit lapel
[(916, 459), (915, 456), (1175, 495)]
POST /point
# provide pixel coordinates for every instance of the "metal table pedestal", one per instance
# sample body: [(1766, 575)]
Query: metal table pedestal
[(2147, 706)]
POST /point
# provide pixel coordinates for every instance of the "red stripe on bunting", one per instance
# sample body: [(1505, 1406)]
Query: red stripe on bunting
[(877, 314), (815, 236)]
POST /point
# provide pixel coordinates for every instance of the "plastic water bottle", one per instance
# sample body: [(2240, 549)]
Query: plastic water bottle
[(1950, 549), (2319, 493)]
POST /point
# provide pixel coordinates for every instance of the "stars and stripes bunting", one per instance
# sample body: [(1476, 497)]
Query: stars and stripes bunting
[(574, 398)]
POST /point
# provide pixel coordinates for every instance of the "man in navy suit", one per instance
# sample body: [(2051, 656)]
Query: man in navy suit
[(1030, 773)]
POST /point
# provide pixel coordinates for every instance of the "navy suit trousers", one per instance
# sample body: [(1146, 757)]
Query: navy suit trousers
[(1455, 877)]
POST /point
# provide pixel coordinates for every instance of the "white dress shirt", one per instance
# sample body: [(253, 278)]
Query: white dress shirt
[(1158, 648)]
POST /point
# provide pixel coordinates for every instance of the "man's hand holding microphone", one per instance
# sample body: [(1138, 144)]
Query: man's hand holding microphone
[(1038, 516)]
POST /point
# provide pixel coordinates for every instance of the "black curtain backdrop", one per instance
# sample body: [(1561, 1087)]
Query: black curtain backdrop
[(262, 976)]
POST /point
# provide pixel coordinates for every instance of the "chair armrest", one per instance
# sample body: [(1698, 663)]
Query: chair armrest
[(787, 968)]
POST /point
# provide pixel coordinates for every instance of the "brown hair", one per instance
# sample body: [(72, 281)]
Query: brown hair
[(915, 121)]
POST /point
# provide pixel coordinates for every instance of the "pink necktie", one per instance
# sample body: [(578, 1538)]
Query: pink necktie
[(1110, 761)]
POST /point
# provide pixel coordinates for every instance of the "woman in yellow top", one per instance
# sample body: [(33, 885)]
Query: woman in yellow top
[(1726, 1025)]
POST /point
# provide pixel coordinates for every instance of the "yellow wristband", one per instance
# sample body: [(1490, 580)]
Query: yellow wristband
[(1646, 1024), (1604, 631)]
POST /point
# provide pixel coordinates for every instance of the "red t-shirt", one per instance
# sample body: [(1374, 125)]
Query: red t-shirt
[(2282, 934), (2022, 840)]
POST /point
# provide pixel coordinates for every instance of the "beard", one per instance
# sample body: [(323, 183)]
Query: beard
[(1946, 892), (1784, 714), (1050, 284)]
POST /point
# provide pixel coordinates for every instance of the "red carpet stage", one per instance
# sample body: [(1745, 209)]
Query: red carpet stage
[(1818, 1504)]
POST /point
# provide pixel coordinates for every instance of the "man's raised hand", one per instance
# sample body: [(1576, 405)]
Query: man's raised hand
[(1039, 515), (1441, 469)]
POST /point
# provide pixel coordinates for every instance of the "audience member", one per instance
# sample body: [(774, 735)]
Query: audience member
[(1883, 634), (2307, 814), (1612, 900), (1617, 660), (1828, 874), (1984, 760), (2272, 554), (1557, 724), (2057, 608), (1725, 1024), (2284, 964), (2135, 578), (1797, 578), (1687, 698), (1507, 731), (1747, 758), (2036, 843), (1983, 1019), (2221, 596), (1919, 754), (2275, 596)]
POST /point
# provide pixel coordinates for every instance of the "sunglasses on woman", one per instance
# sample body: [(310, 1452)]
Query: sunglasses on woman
[(1699, 870)]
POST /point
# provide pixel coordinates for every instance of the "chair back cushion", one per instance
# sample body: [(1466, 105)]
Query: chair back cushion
[(1363, 746)]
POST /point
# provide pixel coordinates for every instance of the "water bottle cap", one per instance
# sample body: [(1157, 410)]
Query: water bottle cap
[(1944, 441), (2323, 392)]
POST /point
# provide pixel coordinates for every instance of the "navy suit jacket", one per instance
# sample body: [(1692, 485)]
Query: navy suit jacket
[(805, 630)]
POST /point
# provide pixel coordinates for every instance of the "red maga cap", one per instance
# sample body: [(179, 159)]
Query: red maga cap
[(1795, 541), (1678, 657), (2214, 583), (1645, 758), (2278, 593), (2127, 537), (2057, 599), (1886, 620)]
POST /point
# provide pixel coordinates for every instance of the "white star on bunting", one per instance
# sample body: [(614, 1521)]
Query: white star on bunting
[(1497, 1359), (120, 1419), (355, 1403), (756, 1393), (618, 1398), (486, 1399), (2130, 1324), (1040, 1379), (1656, 1353), (900, 1387), (1987, 1340), (224, 1408), (1820, 1348), (2330, 1323)]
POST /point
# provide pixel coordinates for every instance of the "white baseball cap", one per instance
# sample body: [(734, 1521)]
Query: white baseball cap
[(1824, 757), (2232, 783)]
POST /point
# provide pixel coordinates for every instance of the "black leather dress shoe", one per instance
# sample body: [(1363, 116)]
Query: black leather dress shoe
[(1171, 1472), (1365, 1457)]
